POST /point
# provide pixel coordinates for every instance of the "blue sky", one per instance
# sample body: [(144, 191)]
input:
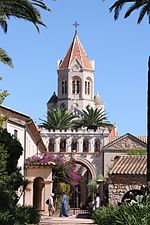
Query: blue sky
[(120, 50)]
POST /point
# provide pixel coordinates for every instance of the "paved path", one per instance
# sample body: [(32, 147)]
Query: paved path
[(71, 220)]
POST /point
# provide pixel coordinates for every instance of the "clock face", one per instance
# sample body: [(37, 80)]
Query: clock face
[(76, 68)]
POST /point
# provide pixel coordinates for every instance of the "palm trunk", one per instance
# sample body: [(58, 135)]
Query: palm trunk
[(148, 126)]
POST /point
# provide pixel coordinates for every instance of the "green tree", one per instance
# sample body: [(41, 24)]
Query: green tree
[(58, 119), (10, 181), (93, 119), (142, 5)]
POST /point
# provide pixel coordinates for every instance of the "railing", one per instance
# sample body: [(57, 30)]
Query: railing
[(78, 211)]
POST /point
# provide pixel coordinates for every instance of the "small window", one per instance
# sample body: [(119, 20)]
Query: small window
[(62, 106), (78, 87), (63, 88), (16, 133), (85, 87), (73, 87), (88, 87)]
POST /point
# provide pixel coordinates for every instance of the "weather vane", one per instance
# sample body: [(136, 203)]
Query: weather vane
[(76, 26)]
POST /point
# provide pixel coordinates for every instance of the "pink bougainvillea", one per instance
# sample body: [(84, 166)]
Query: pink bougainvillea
[(62, 171)]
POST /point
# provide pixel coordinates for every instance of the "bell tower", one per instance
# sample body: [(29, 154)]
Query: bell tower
[(75, 78)]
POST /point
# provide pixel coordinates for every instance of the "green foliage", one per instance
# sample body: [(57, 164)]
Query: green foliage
[(63, 187), (27, 214), (4, 58), (93, 183), (122, 215), (13, 148), (58, 119), (10, 180), (134, 5), (93, 119), (137, 152), (104, 215), (22, 9)]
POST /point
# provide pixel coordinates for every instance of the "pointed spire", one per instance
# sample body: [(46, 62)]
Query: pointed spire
[(97, 99), (53, 99), (76, 51)]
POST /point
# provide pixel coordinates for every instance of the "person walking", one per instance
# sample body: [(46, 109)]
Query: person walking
[(64, 205), (97, 201), (51, 208)]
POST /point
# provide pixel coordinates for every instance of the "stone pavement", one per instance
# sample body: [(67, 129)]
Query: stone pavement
[(71, 220)]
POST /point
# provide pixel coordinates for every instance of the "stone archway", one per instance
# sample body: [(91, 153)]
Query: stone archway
[(81, 193), (82, 161)]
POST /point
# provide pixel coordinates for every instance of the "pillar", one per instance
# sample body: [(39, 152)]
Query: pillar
[(91, 144), (68, 144), (80, 144), (57, 144)]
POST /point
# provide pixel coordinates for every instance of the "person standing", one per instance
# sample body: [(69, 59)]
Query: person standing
[(97, 201), (51, 208), (64, 205)]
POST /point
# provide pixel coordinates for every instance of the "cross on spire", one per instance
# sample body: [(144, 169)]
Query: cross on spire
[(76, 24)]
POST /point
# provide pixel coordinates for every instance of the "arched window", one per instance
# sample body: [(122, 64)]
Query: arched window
[(73, 87), (65, 87), (97, 145), (85, 145), (85, 87), (78, 87), (74, 145), (88, 87), (62, 106), (63, 145), (51, 145)]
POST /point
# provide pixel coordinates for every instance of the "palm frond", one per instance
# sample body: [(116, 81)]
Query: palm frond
[(23, 9), (3, 23), (144, 5), (4, 58)]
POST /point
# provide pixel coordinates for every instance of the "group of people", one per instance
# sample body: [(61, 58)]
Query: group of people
[(63, 205), (95, 204)]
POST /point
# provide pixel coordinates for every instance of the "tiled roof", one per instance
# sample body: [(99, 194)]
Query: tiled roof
[(76, 51), (130, 165)]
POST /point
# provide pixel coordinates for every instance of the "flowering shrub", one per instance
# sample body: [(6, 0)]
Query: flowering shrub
[(62, 171)]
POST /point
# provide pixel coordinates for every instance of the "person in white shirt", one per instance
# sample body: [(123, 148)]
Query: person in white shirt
[(51, 208), (97, 201)]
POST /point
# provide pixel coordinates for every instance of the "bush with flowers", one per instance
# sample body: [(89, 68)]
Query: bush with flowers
[(63, 171)]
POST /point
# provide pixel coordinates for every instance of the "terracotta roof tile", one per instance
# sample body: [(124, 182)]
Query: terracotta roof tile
[(76, 51), (130, 165)]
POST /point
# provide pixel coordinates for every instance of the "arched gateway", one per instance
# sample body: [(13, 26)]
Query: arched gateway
[(84, 162)]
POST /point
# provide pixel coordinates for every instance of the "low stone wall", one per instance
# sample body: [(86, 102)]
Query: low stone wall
[(120, 184)]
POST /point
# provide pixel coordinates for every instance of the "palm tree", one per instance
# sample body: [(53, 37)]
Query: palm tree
[(142, 5), (93, 118), (59, 119), (22, 9)]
